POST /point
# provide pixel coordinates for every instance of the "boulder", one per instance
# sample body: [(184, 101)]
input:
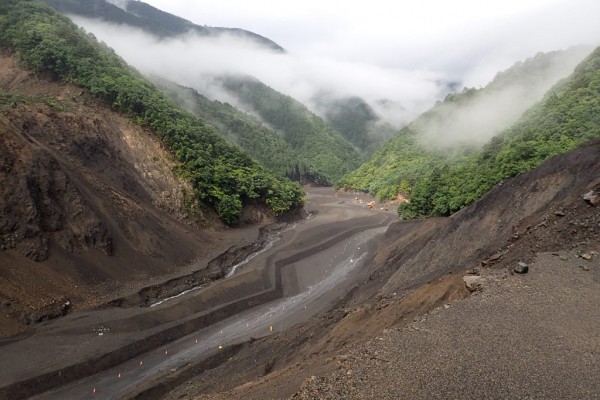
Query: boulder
[(521, 268), (592, 198), (473, 282)]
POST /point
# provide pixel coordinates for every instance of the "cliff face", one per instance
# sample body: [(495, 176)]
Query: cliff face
[(88, 201)]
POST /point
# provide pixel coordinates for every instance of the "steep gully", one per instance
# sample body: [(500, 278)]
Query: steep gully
[(118, 351)]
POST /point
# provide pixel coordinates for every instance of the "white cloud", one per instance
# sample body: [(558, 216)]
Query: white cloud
[(402, 51), (194, 61), (426, 34), (122, 4)]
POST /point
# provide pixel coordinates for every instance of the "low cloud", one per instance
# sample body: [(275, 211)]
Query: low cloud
[(197, 62), (480, 115), (400, 69)]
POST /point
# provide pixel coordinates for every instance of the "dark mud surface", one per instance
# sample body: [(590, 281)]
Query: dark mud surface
[(84, 343)]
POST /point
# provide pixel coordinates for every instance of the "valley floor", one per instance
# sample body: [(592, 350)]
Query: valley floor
[(304, 271), (535, 335), (412, 329)]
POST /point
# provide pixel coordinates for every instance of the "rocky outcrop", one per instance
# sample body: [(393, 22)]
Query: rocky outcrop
[(473, 282), (592, 198), (521, 268), (40, 204), (89, 202)]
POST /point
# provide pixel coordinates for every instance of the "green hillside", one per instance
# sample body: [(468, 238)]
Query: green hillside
[(357, 122), (263, 144), (449, 134), (568, 116), (152, 20), (223, 176), (315, 142), (323, 159)]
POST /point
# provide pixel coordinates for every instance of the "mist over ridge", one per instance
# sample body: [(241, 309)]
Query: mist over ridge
[(396, 95), (473, 116), (395, 92)]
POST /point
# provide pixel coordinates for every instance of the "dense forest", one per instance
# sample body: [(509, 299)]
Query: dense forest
[(314, 141), (262, 143), (223, 176), (356, 121), (306, 135), (440, 182)]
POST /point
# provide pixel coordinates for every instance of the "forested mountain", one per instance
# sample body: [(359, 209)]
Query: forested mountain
[(262, 143), (356, 121), (567, 116), (138, 14), (222, 176), (451, 133), (307, 164), (315, 142)]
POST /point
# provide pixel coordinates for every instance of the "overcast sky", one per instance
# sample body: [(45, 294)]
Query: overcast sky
[(468, 40)]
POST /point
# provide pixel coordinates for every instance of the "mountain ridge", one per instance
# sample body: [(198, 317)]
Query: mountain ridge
[(312, 166), (445, 132), (319, 145), (243, 129), (151, 20)]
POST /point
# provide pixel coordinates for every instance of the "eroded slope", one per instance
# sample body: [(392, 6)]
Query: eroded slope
[(89, 202), (419, 267)]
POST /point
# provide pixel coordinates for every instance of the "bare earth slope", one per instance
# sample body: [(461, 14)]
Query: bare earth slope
[(518, 336), (532, 336), (522, 216), (89, 204)]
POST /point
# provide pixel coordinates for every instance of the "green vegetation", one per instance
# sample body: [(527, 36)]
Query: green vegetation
[(319, 156), (326, 153), (351, 117), (356, 121), (222, 176), (9, 100), (401, 160), (263, 144), (442, 183)]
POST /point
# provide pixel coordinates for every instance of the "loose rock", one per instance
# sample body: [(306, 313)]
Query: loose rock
[(473, 282), (592, 198), (521, 268)]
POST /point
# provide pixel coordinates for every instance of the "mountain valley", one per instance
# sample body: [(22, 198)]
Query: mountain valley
[(158, 242)]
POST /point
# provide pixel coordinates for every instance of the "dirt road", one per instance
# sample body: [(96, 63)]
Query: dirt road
[(305, 271)]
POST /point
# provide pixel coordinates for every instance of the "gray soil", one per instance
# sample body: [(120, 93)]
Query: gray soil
[(532, 336), (88, 342), (411, 329)]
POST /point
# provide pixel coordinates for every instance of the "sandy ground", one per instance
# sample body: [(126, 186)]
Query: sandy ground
[(318, 246)]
